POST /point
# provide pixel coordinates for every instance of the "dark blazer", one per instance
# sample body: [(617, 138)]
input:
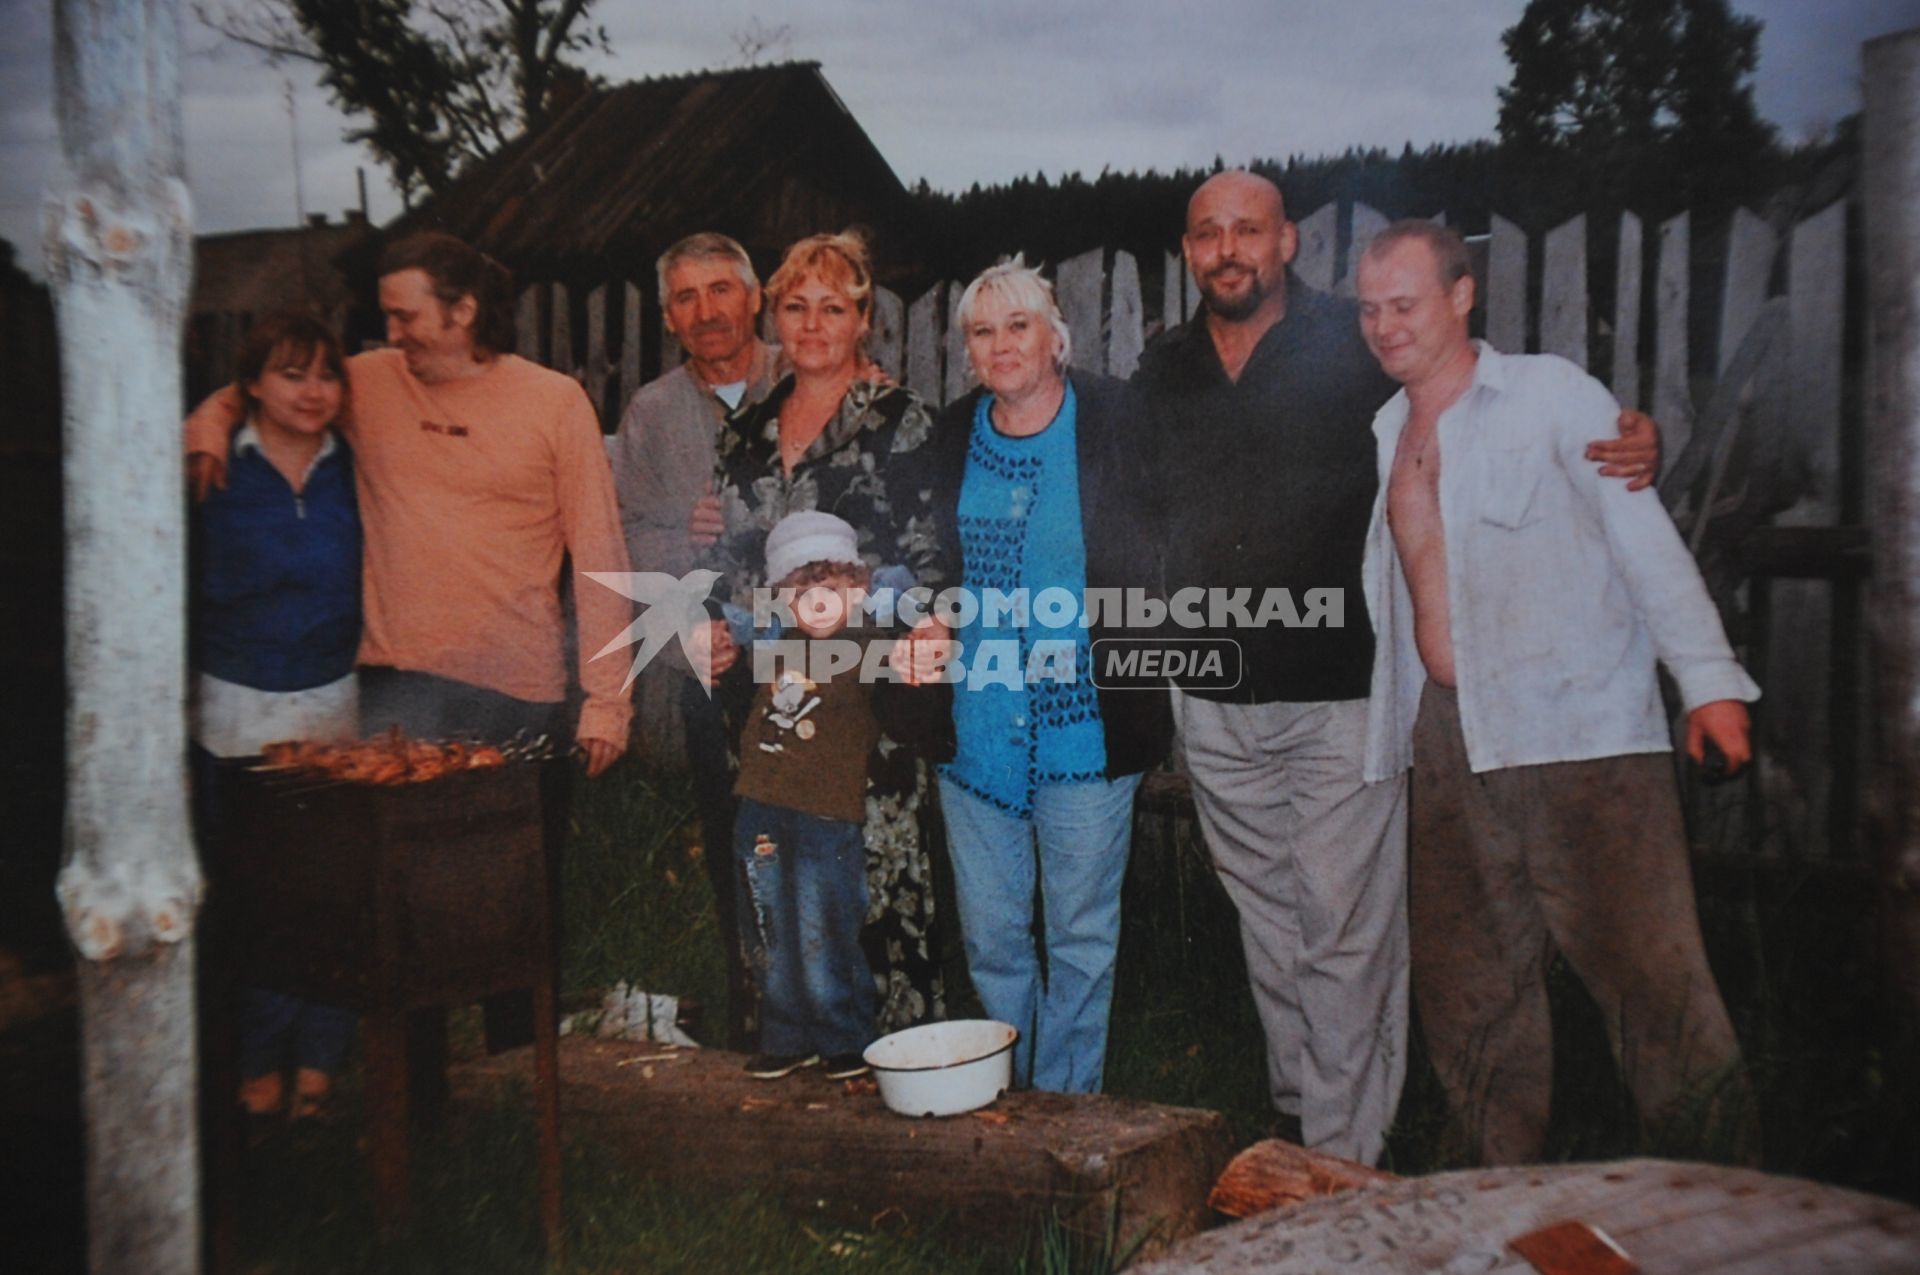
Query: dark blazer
[(1117, 449)]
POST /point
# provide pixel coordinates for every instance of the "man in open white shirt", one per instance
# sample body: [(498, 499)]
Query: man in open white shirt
[(1520, 603)]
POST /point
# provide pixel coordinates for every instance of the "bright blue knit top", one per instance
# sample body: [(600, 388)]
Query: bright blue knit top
[(1020, 529)]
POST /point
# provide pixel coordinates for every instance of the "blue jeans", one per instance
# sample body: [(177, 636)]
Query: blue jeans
[(1076, 843), (805, 890), (269, 1021)]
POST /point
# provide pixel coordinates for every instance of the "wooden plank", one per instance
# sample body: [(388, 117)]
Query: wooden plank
[(560, 332), (886, 344), (1077, 287), (1366, 224), (1126, 329), (1670, 394), (526, 324), (1697, 1218), (1626, 312), (1191, 290), (1751, 245), (1563, 291), (629, 344), (670, 352), (1890, 196), (1816, 299), (1507, 287), (923, 344), (696, 1118), (1173, 308), (1801, 751), (596, 369), (959, 377), (1318, 232)]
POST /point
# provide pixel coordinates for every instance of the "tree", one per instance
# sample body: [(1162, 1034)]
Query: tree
[(120, 256), (439, 84), (1606, 80)]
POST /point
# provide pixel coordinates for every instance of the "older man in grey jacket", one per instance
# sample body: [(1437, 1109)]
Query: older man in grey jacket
[(663, 462)]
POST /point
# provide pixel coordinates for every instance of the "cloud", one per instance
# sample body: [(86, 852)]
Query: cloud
[(959, 93)]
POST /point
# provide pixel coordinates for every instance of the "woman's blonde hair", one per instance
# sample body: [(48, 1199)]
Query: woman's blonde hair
[(1019, 286), (839, 261)]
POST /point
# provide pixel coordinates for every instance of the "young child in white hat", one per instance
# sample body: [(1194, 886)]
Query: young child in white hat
[(802, 789)]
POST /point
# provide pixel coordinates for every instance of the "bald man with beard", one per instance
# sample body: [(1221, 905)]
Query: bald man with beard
[(1268, 397)]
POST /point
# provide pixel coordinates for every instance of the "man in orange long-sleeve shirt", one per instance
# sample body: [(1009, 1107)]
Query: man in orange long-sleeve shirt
[(477, 471)]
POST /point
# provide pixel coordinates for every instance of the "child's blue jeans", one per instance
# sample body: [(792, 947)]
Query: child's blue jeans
[(803, 901)]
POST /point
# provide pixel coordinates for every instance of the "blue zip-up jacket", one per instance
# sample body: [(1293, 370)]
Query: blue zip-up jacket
[(276, 575)]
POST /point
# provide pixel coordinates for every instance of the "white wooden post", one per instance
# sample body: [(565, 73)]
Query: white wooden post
[(1672, 396), (1799, 726), (119, 255), (886, 345), (560, 329), (596, 370), (526, 324), (1626, 314), (1173, 309), (1367, 222), (629, 344), (959, 378), (1891, 190), (1126, 330), (1077, 286), (1563, 291), (923, 345), (1751, 247), (1506, 299), (1313, 262)]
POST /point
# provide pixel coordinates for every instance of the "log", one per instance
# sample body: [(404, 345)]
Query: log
[(1693, 1218), (832, 1148), (1275, 1174)]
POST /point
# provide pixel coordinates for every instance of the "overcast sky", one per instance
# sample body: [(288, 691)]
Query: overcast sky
[(980, 90)]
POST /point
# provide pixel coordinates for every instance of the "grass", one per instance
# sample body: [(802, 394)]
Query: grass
[(1793, 950), (308, 1209)]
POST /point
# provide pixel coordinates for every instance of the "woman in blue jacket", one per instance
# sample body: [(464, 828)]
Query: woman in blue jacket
[(275, 629), (1042, 484)]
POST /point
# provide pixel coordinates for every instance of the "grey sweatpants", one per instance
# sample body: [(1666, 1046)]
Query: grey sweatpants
[(1589, 857), (1314, 859)]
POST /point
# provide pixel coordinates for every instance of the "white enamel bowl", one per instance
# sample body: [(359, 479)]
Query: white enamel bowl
[(943, 1069)]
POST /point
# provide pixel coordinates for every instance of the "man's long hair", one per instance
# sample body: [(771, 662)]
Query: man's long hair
[(457, 269)]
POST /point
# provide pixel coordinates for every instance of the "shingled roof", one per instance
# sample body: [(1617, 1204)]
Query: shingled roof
[(766, 154)]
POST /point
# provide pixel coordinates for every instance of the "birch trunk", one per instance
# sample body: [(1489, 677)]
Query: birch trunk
[(118, 245)]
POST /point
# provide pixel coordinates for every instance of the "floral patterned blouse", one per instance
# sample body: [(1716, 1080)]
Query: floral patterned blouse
[(847, 471)]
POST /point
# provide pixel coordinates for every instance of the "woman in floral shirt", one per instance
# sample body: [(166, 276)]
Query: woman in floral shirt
[(827, 439)]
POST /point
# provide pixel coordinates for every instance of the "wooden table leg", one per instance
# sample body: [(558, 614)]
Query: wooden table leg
[(387, 1131), (546, 1100), (220, 1116)]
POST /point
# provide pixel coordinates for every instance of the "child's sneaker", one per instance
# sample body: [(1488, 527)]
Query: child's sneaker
[(846, 1067), (774, 1066)]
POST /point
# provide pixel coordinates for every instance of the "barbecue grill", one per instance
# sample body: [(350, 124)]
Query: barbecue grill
[(384, 899)]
